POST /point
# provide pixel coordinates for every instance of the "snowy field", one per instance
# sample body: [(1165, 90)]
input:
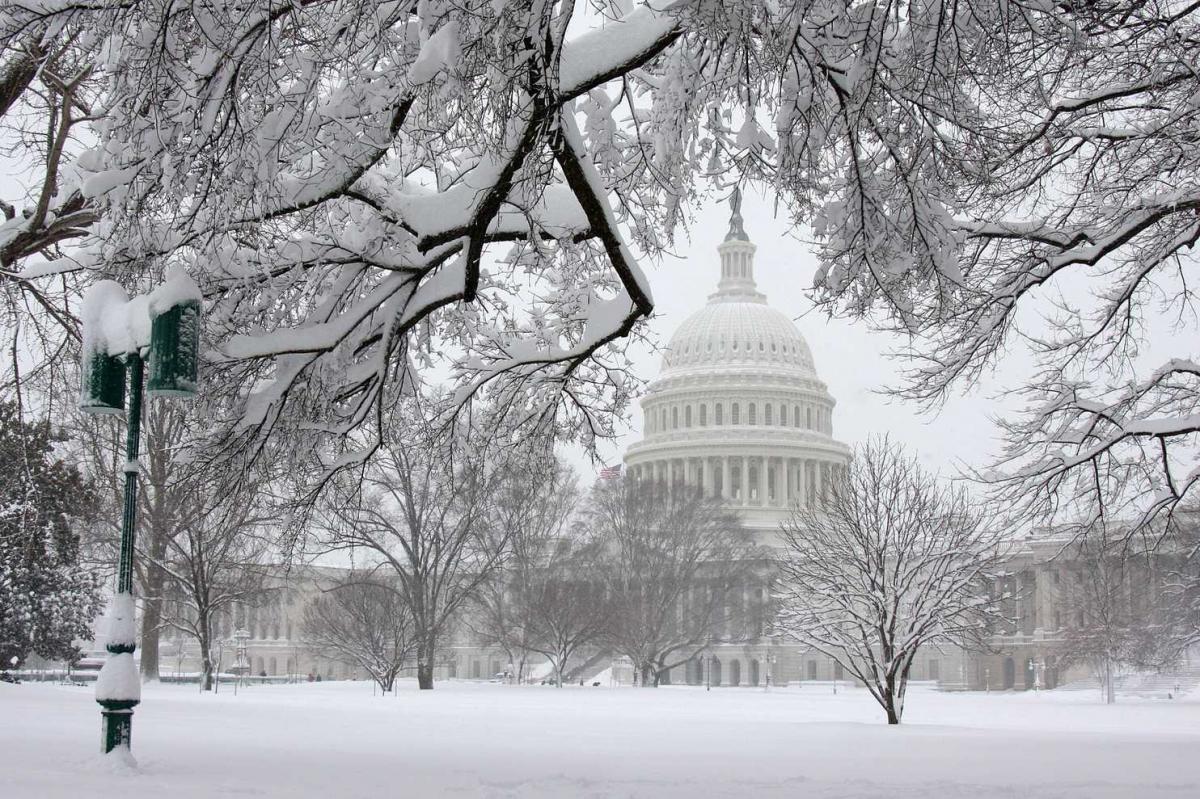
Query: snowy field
[(336, 741)]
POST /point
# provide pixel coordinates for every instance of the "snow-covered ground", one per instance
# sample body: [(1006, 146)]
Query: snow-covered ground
[(336, 741)]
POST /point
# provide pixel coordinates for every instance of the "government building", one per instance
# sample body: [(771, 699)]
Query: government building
[(737, 411)]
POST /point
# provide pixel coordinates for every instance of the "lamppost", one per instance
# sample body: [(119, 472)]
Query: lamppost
[(241, 663), (119, 335)]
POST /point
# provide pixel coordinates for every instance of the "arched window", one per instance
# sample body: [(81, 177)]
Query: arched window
[(767, 415), (796, 416), (687, 416), (675, 418), (752, 415), (735, 673), (703, 415), (808, 417), (663, 420), (271, 667), (719, 420), (735, 413)]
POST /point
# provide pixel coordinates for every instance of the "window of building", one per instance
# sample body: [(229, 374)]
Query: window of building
[(812, 669), (796, 416), (703, 415), (935, 669), (735, 413), (687, 416), (675, 418), (808, 418), (767, 415), (719, 420), (752, 415)]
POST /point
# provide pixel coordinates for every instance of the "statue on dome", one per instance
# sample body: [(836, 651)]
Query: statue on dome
[(736, 231)]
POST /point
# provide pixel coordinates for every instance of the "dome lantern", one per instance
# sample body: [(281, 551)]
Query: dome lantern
[(737, 260)]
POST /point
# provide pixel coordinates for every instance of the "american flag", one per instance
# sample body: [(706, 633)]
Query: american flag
[(610, 472)]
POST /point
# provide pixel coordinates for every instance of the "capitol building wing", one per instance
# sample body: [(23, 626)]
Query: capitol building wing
[(738, 410)]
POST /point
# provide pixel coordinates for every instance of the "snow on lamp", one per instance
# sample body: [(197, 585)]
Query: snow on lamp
[(174, 337)]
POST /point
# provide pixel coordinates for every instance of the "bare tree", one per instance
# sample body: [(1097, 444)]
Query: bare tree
[(504, 610), (362, 621), (1127, 606), (892, 561), (425, 510), (221, 557), (568, 609), (672, 563)]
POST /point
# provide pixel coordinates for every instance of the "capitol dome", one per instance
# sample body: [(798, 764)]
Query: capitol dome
[(738, 409), (737, 334)]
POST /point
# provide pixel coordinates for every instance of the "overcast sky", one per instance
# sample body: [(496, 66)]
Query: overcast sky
[(851, 359)]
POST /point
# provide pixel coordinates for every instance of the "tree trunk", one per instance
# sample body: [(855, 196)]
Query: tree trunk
[(425, 656), (152, 605), (151, 635), (649, 676), (206, 668), (204, 638), (890, 706)]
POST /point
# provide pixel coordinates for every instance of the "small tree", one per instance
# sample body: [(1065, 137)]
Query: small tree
[(671, 561), (362, 621), (427, 511), (219, 559), (1129, 606), (567, 609), (891, 562), (506, 608)]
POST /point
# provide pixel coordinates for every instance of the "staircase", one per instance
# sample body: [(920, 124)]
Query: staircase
[(1151, 684), (585, 671)]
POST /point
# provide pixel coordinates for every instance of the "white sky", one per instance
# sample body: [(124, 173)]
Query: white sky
[(851, 359)]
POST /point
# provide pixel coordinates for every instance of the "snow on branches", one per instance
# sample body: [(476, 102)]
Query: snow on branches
[(373, 192), (1041, 151), (338, 175)]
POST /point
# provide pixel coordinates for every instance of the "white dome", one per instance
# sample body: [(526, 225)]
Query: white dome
[(734, 332), (738, 411)]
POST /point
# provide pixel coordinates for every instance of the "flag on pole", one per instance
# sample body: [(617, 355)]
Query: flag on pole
[(610, 472)]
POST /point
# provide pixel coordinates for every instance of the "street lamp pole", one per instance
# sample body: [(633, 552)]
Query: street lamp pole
[(115, 344), (118, 700)]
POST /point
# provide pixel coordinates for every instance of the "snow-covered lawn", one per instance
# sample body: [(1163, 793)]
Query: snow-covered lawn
[(336, 741)]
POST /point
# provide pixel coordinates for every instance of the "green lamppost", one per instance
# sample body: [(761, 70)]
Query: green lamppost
[(119, 336)]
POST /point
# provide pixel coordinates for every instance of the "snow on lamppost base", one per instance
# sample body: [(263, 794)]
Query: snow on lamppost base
[(118, 687)]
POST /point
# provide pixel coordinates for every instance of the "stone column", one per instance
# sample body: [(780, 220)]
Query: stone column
[(706, 464), (745, 480), (726, 486), (762, 481), (820, 482)]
